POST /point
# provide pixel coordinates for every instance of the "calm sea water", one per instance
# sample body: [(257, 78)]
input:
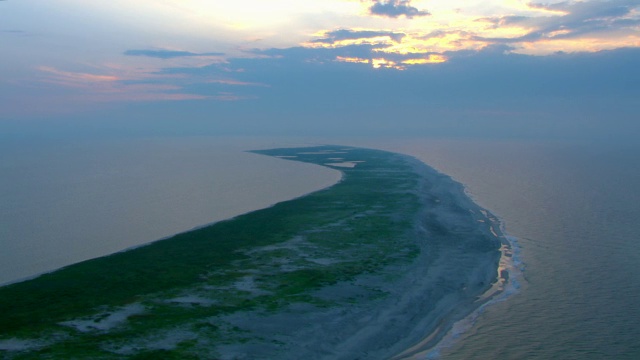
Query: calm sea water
[(66, 201), (575, 209)]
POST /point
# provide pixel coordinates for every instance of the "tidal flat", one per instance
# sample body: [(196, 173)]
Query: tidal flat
[(377, 266)]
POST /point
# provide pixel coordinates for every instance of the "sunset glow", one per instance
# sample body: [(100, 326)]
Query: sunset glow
[(135, 47)]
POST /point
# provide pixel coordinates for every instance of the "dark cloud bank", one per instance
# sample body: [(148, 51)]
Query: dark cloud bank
[(488, 93), (396, 8)]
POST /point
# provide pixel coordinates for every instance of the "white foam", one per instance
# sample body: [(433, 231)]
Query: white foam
[(511, 262)]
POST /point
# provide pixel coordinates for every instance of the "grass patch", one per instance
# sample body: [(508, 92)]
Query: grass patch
[(355, 227)]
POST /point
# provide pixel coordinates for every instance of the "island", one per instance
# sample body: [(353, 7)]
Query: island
[(377, 266)]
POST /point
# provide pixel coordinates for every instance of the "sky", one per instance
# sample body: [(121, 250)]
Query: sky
[(512, 69)]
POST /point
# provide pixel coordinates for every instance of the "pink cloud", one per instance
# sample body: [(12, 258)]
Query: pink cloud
[(71, 78), (113, 88)]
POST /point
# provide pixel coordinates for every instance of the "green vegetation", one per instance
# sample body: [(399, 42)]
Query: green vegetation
[(170, 299)]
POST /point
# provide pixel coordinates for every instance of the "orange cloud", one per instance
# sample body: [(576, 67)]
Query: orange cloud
[(378, 63), (431, 59)]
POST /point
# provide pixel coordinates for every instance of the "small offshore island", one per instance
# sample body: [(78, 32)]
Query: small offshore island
[(378, 266)]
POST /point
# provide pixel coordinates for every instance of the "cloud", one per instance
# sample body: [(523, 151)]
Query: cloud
[(75, 79), (379, 49), (396, 8), (14, 32), (572, 20), (90, 87), (321, 55), (331, 37), (168, 54), (490, 91), (233, 82)]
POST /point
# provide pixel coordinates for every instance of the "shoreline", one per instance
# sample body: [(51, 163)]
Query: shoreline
[(441, 336), (432, 341)]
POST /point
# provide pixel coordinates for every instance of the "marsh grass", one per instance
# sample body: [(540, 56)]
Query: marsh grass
[(358, 226)]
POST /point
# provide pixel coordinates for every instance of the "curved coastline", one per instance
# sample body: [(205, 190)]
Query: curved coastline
[(179, 230), (369, 277), (439, 334)]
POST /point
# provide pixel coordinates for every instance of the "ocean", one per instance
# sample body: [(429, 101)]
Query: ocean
[(571, 208), (64, 201), (574, 209)]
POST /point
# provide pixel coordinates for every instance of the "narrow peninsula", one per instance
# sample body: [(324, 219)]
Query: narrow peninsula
[(377, 266)]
